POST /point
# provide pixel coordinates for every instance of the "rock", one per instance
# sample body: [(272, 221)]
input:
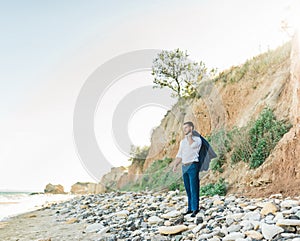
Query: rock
[(197, 228), (218, 202), (269, 231), (289, 203), (94, 227), (158, 237), (247, 225), (72, 220), (268, 208), (206, 236), (214, 239), (171, 214), (254, 234), (54, 189), (233, 236), (154, 220), (288, 222), (234, 228), (236, 216), (87, 188), (167, 223), (269, 219), (278, 216), (229, 221), (122, 213), (103, 231), (198, 220), (254, 216), (172, 229), (277, 195), (289, 236), (251, 207), (112, 179)]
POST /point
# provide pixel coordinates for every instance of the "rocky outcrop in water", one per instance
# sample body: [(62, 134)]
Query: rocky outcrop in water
[(54, 189)]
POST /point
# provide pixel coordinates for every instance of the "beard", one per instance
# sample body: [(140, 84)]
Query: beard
[(188, 132)]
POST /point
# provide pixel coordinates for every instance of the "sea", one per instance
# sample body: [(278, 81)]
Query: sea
[(14, 203)]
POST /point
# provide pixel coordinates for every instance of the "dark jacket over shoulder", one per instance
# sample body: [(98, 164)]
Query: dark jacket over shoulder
[(206, 153)]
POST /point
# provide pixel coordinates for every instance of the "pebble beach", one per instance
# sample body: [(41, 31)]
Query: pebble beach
[(157, 216)]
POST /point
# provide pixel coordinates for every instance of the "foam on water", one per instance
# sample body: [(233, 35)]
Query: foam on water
[(14, 203)]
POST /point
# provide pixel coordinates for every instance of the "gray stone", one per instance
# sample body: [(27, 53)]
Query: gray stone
[(234, 228), (172, 229), (154, 220), (94, 227), (289, 203), (233, 236), (252, 216), (171, 214), (288, 222), (269, 231)]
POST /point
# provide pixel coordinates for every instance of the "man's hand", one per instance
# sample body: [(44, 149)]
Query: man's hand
[(174, 167)]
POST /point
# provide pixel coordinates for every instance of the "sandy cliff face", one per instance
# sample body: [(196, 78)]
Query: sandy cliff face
[(280, 173), (111, 179), (282, 168), (87, 188), (134, 173)]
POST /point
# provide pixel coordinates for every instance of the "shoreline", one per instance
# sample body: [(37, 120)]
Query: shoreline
[(16, 205)]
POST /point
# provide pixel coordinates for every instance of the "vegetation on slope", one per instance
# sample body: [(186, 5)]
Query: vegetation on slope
[(263, 64), (251, 144)]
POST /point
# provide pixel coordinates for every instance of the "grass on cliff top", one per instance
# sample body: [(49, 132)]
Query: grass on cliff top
[(265, 63)]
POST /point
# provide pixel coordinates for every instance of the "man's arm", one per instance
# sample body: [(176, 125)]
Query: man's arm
[(178, 158), (177, 161)]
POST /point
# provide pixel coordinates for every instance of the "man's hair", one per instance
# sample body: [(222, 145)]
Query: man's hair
[(189, 123)]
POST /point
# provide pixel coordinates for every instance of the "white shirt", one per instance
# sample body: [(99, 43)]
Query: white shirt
[(189, 152)]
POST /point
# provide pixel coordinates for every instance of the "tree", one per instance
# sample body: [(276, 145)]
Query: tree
[(138, 154), (174, 70)]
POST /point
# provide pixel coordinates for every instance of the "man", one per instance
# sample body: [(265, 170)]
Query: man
[(188, 155)]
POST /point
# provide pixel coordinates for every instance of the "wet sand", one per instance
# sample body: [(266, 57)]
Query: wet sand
[(43, 225)]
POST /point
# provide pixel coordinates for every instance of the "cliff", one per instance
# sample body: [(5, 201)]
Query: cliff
[(233, 98), (87, 188)]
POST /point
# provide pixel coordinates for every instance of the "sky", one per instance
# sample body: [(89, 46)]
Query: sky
[(50, 48)]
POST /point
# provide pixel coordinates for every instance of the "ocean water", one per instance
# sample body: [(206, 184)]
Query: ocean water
[(14, 203)]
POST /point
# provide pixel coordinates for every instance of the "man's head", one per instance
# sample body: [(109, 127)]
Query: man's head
[(188, 127)]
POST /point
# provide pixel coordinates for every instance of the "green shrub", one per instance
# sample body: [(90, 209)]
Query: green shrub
[(221, 141), (212, 189), (158, 176), (254, 143)]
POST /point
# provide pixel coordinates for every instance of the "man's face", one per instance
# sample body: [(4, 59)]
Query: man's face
[(187, 128)]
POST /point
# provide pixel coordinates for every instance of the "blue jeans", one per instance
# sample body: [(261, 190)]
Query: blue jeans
[(190, 175)]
